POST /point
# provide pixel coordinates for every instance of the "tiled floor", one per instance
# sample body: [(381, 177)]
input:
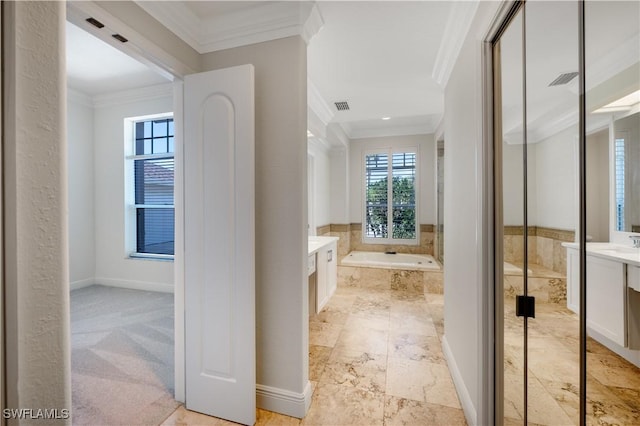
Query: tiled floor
[(613, 384), (375, 358)]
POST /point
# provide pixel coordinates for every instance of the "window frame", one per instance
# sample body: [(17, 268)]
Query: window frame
[(389, 240), (131, 208)]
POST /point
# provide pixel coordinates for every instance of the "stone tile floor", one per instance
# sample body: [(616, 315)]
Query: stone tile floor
[(375, 357), (613, 384)]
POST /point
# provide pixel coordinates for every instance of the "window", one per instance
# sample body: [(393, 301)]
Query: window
[(390, 210), (620, 186), (153, 182)]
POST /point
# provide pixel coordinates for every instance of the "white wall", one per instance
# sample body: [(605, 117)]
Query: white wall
[(466, 295), (282, 334), (598, 185), (113, 265), (551, 183), (512, 178), (321, 181), (426, 172), (339, 174), (556, 173), (82, 256)]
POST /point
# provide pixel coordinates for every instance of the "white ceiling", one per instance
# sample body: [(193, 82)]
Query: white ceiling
[(377, 55), (94, 67), (381, 56), (612, 45)]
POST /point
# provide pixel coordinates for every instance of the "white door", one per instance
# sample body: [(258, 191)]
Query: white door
[(220, 372)]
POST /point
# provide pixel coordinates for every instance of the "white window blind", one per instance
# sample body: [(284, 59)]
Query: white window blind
[(390, 209)]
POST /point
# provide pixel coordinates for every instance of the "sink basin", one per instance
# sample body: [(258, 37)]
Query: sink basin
[(620, 250)]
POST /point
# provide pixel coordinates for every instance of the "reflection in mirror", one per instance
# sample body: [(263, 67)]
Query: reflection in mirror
[(552, 103), (626, 160), (612, 78), (509, 144)]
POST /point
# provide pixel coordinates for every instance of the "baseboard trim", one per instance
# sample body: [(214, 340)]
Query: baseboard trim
[(135, 285), (463, 393), (284, 401), (81, 283)]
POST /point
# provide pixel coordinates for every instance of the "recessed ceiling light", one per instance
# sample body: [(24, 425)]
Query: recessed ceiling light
[(622, 104), (386, 118)]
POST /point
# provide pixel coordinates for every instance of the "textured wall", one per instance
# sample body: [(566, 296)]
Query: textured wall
[(37, 289)]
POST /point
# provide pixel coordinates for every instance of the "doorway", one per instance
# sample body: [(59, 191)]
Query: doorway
[(122, 333)]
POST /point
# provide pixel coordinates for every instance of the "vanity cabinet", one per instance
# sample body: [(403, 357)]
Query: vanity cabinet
[(327, 274), (606, 298), (613, 295), (573, 280)]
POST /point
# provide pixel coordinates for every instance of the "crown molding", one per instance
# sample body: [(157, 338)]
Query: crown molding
[(134, 95), (257, 24), (79, 98), (313, 24), (177, 17), (337, 137), (315, 144), (458, 23), (391, 131), (317, 103)]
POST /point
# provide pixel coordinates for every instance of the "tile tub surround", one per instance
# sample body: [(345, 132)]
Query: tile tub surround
[(351, 239), (545, 246), (544, 284), (400, 282)]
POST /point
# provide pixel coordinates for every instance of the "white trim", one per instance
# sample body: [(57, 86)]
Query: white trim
[(317, 104), (79, 98), (257, 24), (284, 401), (313, 24), (425, 129), (81, 283), (318, 144), (178, 262), (178, 18), (135, 285), (142, 94), (461, 388), (455, 31)]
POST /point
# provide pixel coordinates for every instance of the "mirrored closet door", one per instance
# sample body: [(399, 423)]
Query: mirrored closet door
[(566, 84)]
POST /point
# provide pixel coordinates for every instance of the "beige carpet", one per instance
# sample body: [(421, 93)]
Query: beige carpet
[(122, 356)]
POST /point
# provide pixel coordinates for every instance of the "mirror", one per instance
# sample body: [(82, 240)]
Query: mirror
[(626, 162)]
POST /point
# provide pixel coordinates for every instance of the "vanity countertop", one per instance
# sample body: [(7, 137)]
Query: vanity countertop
[(316, 243), (612, 251)]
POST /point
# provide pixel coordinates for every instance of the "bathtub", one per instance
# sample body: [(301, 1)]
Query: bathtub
[(413, 262), (511, 269)]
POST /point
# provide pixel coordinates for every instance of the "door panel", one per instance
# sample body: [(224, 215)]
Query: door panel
[(219, 243), (510, 148)]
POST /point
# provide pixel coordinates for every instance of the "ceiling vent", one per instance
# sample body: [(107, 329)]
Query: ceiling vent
[(342, 106), (563, 79)]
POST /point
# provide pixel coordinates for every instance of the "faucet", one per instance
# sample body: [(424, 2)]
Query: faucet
[(636, 240)]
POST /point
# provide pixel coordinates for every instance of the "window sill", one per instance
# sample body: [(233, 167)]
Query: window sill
[(151, 256)]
